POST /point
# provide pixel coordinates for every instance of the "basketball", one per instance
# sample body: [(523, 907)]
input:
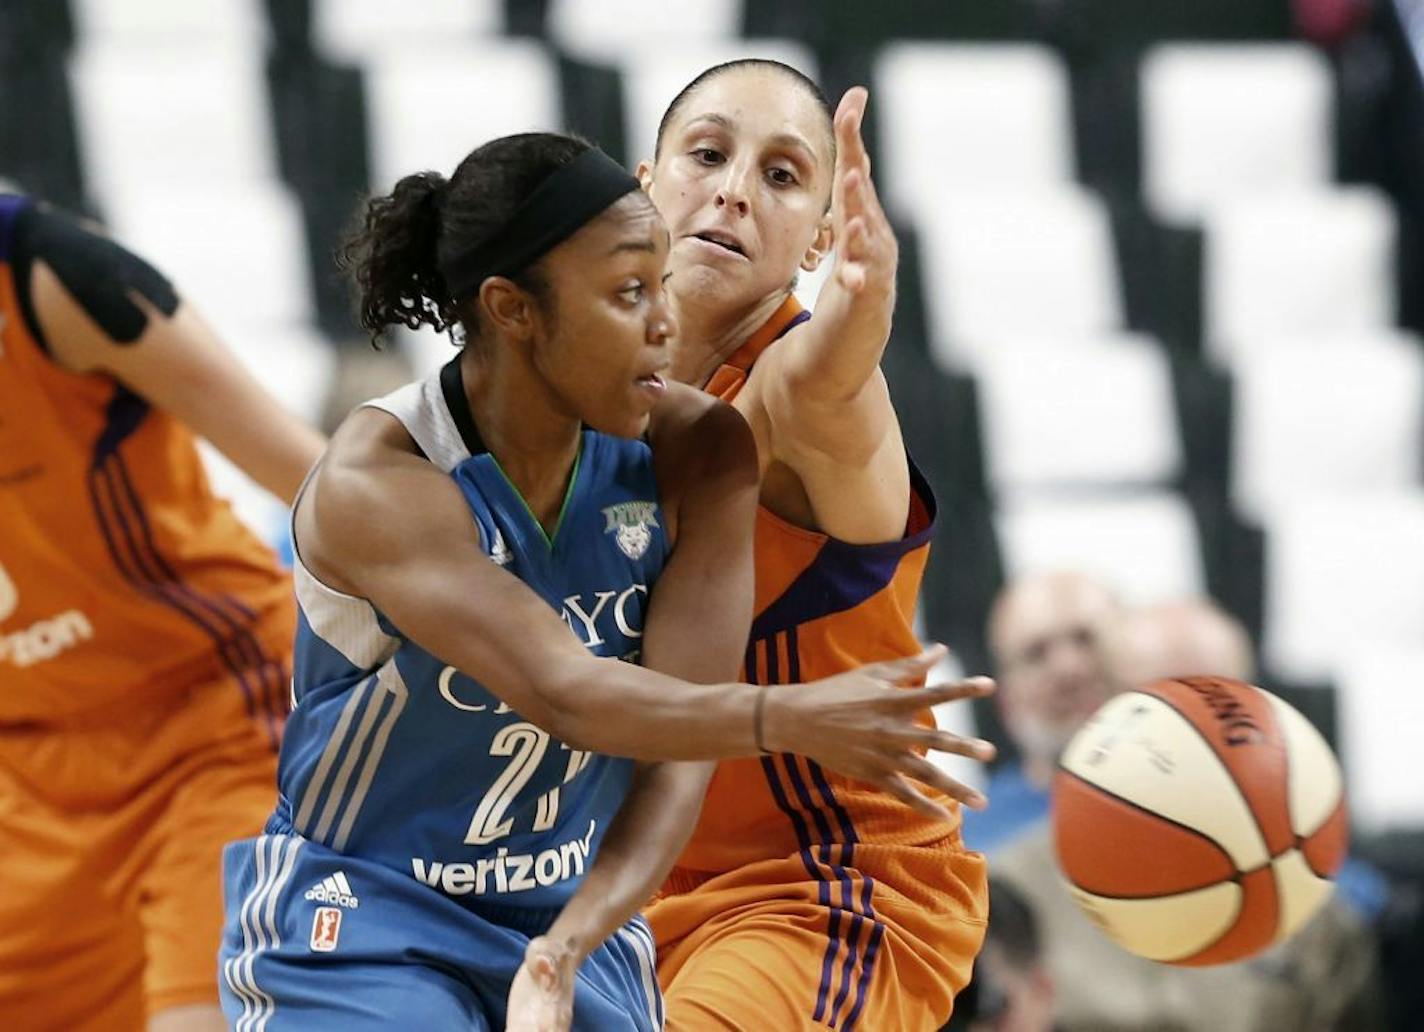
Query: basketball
[(1199, 820)]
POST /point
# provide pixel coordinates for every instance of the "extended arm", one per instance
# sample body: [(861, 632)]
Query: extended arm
[(697, 627), (380, 522), (826, 403), (100, 308)]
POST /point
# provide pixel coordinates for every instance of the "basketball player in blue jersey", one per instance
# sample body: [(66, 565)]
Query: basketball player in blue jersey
[(472, 551)]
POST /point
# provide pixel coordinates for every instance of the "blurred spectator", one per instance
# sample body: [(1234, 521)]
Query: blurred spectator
[(1176, 639), (1322, 979), (1012, 990), (1046, 634)]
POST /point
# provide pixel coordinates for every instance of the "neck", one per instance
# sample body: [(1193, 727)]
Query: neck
[(532, 437), (707, 336), (1039, 771)]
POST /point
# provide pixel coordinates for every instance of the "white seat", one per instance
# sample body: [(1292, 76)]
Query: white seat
[(297, 366), (1381, 725), (1343, 416), (965, 116), (424, 349), (1017, 264), (1144, 544), (428, 109), (238, 254), (1306, 264), (153, 116), (653, 75), (356, 30), (173, 22), (1218, 121), (957, 718), (1095, 414), (263, 512), (810, 284), (1341, 569), (295, 363), (604, 32)]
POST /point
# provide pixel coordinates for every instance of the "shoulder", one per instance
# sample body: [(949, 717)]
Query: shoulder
[(688, 417), (358, 476), (65, 263), (681, 408), (694, 434), (368, 439)]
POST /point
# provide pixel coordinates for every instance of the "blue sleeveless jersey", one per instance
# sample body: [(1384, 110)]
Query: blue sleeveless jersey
[(393, 756)]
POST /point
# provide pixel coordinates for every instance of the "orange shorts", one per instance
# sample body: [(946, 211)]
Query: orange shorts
[(878, 938), (111, 833)]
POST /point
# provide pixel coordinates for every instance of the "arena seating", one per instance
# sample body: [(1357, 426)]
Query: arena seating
[(1151, 284)]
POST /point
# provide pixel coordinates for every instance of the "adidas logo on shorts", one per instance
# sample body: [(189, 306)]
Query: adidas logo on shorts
[(333, 889)]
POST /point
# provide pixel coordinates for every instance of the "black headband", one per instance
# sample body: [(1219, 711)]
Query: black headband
[(563, 203)]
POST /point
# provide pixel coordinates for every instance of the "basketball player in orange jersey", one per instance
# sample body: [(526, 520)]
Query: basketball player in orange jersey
[(145, 634), (804, 898)]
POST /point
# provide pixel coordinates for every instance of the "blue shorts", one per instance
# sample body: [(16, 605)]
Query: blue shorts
[(318, 940)]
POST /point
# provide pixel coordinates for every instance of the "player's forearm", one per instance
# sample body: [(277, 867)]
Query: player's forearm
[(844, 343), (277, 454), (642, 844), (623, 710)]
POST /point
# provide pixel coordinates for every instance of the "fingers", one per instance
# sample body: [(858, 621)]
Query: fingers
[(896, 785), (910, 670), (923, 698), (851, 265), (916, 737), (924, 771), (850, 115), (850, 148), (545, 972)]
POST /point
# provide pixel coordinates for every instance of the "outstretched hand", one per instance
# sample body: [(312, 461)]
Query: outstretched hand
[(862, 724), (541, 998), (866, 251)]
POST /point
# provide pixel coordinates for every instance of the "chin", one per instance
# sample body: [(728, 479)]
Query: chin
[(692, 280), (629, 427)]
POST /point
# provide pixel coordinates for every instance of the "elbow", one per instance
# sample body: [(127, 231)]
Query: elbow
[(563, 706)]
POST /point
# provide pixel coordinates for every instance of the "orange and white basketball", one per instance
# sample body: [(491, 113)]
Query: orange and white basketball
[(1199, 820)]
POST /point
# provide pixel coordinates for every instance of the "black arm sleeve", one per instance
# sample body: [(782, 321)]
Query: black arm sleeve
[(98, 273)]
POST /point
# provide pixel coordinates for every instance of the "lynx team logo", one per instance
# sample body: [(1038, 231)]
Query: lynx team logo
[(634, 522)]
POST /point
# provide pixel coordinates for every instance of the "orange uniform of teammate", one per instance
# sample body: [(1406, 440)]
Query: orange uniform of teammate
[(800, 886), (144, 644)]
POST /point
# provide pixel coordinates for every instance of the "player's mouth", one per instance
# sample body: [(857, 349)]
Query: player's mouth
[(721, 240), (653, 383)]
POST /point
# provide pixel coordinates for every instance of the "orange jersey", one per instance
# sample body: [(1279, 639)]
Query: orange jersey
[(822, 607), (121, 575)]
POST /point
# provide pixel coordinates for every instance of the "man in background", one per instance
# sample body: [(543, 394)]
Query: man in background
[(1012, 990), (1322, 979), (1046, 635)]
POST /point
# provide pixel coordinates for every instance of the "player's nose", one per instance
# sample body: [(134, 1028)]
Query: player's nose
[(662, 324), (734, 192)]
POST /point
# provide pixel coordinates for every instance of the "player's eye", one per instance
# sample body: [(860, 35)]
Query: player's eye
[(781, 176), (707, 156), (632, 293)]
